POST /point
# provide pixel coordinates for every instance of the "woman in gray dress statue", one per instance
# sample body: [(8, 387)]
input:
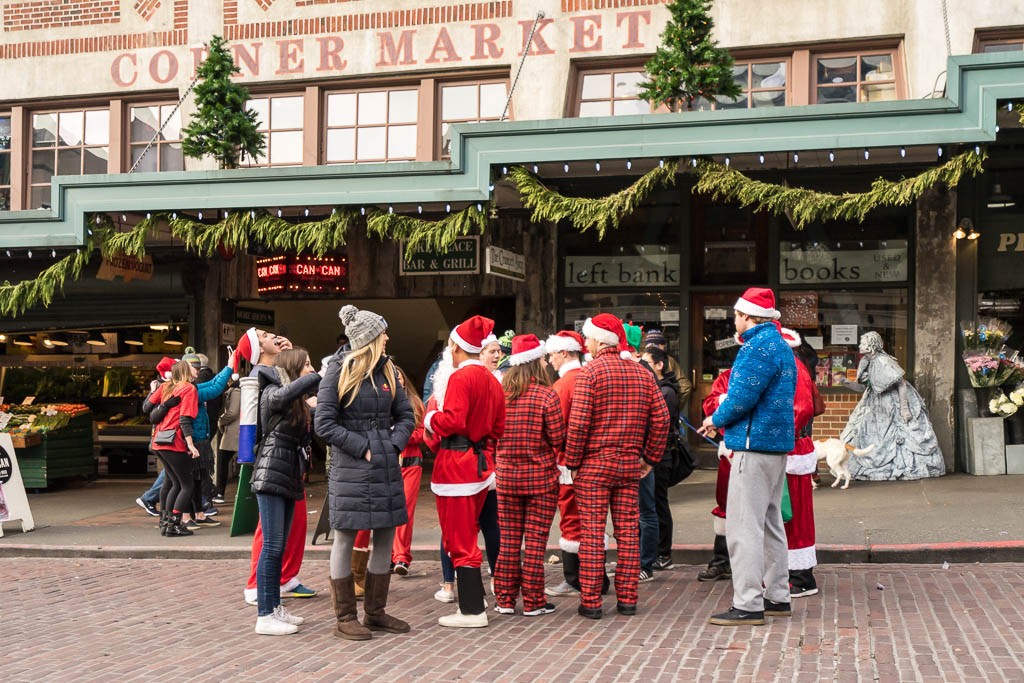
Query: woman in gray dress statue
[(892, 416)]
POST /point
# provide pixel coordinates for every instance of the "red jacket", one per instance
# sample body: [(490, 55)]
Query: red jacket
[(474, 407), (564, 387), (618, 416), (534, 432), (189, 407), (802, 459)]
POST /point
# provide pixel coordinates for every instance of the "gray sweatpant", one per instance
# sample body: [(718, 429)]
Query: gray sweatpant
[(754, 530)]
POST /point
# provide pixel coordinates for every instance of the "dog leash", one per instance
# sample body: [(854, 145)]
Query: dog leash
[(694, 429)]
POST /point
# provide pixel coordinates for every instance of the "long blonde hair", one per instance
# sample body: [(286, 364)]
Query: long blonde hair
[(357, 367), (181, 373)]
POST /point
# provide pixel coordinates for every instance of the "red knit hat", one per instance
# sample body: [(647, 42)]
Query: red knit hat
[(605, 328), (163, 368), (758, 302), (791, 337), (566, 340), (469, 335), (248, 349), (525, 348)]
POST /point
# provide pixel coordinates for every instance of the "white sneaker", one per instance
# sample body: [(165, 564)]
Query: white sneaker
[(444, 595), (250, 596), (460, 620), (504, 610), (270, 626), (562, 590), (281, 614)]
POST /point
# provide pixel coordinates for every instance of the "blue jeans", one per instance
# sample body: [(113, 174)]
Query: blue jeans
[(492, 538), (152, 496), (648, 524), (276, 519)]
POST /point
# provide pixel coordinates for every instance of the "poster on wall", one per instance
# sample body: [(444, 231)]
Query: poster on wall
[(799, 309), (13, 501)]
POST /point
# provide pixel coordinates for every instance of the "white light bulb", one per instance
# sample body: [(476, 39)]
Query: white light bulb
[(597, 166), (565, 167), (727, 161), (867, 154), (629, 164), (796, 157), (760, 158), (200, 215), (831, 157), (903, 152)]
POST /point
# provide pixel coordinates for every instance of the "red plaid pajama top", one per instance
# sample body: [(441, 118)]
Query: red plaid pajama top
[(534, 433)]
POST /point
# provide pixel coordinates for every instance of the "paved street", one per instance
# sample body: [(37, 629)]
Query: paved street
[(119, 620)]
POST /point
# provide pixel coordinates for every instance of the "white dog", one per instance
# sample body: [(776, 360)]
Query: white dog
[(836, 455)]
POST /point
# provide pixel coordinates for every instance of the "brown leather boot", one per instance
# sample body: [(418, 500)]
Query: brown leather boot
[(375, 619), (343, 596), (359, 560)]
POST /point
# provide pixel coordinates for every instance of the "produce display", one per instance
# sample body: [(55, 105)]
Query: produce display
[(40, 419)]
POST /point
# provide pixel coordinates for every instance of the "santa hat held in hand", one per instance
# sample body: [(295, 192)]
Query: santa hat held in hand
[(248, 349), (566, 340), (469, 335), (525, 348), (606, 329), (758, 302), (164, 367), (791, 337)]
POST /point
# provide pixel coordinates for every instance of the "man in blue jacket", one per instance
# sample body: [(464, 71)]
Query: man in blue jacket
[(757, 416)]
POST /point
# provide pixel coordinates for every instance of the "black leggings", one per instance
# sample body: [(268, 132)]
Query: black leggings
[(176, 495), (223, 467)]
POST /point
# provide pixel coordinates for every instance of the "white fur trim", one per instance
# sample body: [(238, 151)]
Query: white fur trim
[(564, 476), (525, 357), (606, 337), (626, 355), (792, 337), (488, 340), (750, 308), (291, 584), (249, 594), (569, 546), (802, 464), (471, 361), (427, 418), (556, 343), (467, 489), (803, 558), (568, 366), (719, 525), (463, 344), (723, 451)]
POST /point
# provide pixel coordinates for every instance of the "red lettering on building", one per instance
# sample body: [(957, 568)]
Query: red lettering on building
[(330, 54), (486, 38), (632, 20), (443, 44), (116, 72), (538, 46), (247, 60), (290, 59), (584, 33), (169, 72), (392, 53)]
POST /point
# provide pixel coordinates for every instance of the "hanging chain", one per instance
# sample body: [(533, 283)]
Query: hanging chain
[(526, 51), (945, 24), (164, 124)]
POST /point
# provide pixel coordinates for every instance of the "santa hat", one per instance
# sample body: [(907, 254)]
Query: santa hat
[(566, 340), (248, 349), (163, 368), (525, 348), (606, 329), (791, 337), (488, 340), (470, 334), (758, 302)]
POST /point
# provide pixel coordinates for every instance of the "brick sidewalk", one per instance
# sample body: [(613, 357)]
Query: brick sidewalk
[(119, 620)]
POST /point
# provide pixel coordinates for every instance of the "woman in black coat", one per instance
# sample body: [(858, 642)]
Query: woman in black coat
[(363, 415), (285, 432)]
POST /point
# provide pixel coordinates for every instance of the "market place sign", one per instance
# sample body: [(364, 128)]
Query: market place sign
[(463, 258), (640, 270), (819, 265)]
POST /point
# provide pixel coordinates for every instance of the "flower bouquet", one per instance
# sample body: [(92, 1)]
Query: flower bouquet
[(989, 363), (982, 367), (991, 333), (1003, 406)]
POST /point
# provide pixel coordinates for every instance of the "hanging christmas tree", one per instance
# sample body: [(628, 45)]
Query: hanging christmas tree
[(688, 64), (221, 127)]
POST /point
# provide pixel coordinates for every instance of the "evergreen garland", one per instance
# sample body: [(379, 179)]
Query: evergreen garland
[(586, 213), (16, 299), (424, 235)]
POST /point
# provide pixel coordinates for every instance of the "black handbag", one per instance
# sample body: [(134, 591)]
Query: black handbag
[(165, 437), (682, 461)]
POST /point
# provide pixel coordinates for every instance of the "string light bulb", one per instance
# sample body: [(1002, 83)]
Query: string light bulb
[(629, 164), (597, 166), (867, 154), (760, 159), (565, 168), (727, 161), (903, 152), (796, 157), (831, 157), (939, 151)]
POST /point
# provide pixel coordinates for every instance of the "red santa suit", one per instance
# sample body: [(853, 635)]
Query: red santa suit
[(568, 511)]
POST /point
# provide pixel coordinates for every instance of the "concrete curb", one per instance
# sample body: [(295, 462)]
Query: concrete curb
[(913, 553)]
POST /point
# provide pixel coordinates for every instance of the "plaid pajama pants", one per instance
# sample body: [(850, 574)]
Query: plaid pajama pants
[(596, 494), (520, 517)]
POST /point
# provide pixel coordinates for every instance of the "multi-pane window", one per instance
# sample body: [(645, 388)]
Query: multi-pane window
[(611, 92), (165, 152), (373, 125), (1000, 41), (856, 77), (5, 162), (67, 143), (470, 103), (280, 120)]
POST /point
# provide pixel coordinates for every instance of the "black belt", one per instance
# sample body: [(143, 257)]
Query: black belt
[(363, 425), (458, 442), (412, 462)]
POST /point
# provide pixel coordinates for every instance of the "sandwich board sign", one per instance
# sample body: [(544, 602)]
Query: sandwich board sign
[(13, 501)]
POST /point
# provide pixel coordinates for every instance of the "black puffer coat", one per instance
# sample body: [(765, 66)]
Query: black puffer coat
[(278, 468), (365, 495)]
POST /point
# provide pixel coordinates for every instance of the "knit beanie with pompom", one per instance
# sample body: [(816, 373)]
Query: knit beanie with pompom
[(361, 327)]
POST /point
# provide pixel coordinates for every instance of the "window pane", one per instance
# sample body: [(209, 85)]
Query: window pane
[(341, 110), (5, 199), (596, 87), (740, 74), (402, 106), (286, 112), (69, 129), (492, 100), (373, 107), (341, 145), (459, 102), (401, 142), (837, 70), (286, 148), (171, 157), (836, 95), (5, 169), (144, 123), (769, 75), (96, 159), (371, 143), (172, 131), (42, 166), (768, 98), (625, 83), (69, 161), (40, 196), (148, 164), (261, 106), (626, 107), (5, 132), (731, 103), (877, 92), (876, 67), (44, 130), (595, 108), (97, 127), (1003, 47)]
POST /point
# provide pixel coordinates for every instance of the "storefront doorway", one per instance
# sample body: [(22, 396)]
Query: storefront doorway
[(713, 349)]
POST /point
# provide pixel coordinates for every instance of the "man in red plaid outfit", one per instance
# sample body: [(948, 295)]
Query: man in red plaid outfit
[(618, 426), (527, 478)]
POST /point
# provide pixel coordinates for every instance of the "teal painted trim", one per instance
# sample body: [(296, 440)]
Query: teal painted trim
[(966, 115)]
